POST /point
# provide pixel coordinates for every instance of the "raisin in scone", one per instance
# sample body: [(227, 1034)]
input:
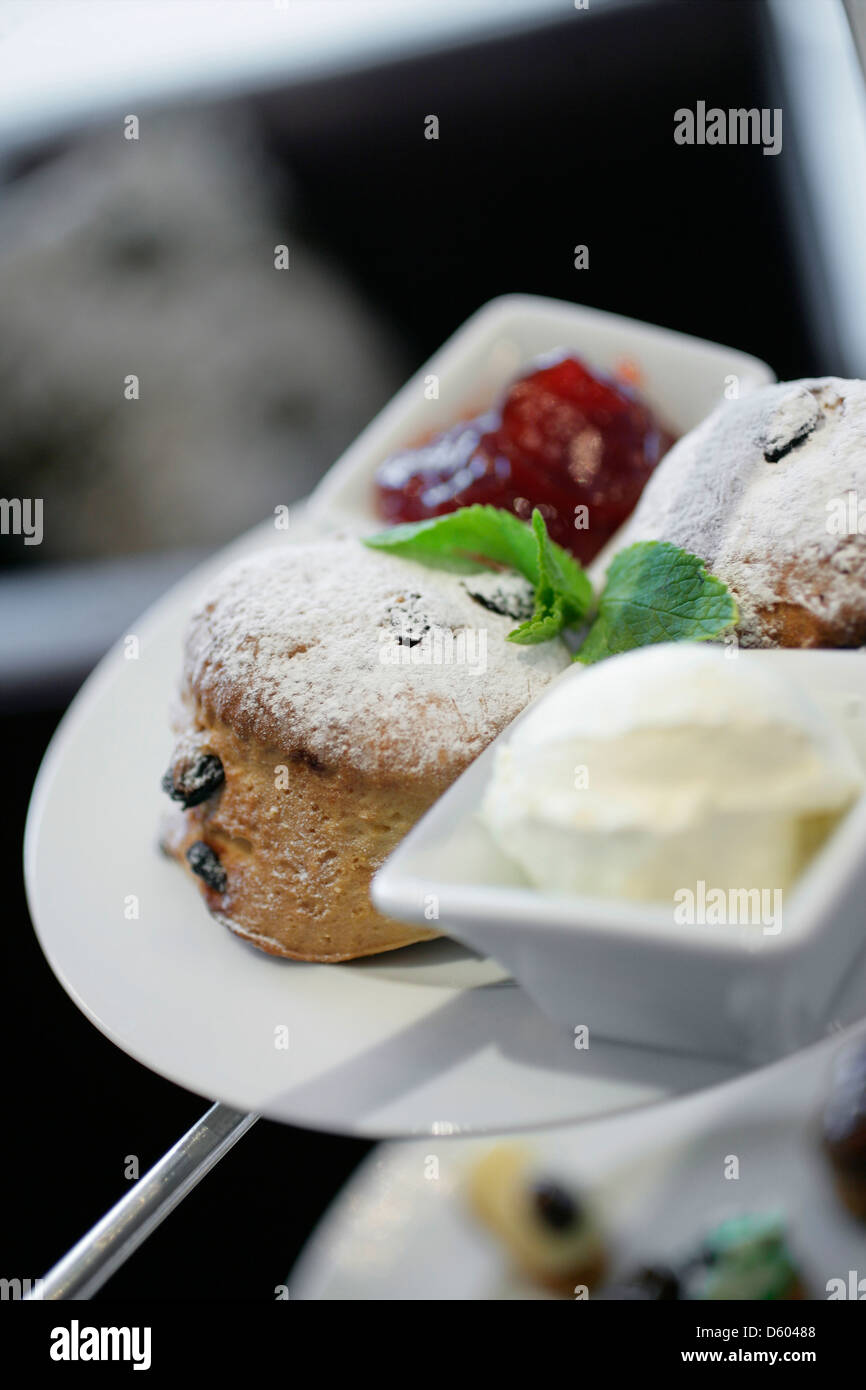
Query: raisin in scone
[(330, 694), (770, 491)]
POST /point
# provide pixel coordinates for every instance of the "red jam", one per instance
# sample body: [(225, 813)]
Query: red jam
[(575, 444)]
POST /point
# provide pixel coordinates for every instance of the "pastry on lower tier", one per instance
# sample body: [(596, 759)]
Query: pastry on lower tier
[(330, 694), (547, 1226), (746, 1257), (844, 1127), (770, 492)]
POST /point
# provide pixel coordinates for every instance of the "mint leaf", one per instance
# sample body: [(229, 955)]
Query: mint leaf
[(656, 592), (541, 627), (461, 539), (457, 541), (563, 592)]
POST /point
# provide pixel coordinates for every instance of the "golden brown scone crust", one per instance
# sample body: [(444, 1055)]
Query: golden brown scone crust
[(299, 845), (332, 744)]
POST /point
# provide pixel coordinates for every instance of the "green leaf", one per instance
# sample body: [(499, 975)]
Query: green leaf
[(656, 592), (560, 576), (563, 592), (460, 540), (541, 627)]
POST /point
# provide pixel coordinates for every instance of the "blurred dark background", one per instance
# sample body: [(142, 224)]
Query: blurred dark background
[(161, 256)]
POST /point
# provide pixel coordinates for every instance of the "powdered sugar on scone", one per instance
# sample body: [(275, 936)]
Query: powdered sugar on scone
[(335, 653), (767, 492)]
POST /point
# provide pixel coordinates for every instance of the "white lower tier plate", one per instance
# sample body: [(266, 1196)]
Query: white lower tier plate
[(400, 1229)]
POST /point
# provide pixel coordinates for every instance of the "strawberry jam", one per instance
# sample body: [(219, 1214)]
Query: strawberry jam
[(578, 445)]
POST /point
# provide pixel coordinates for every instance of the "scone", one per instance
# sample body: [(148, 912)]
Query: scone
[(330, 694), (547, 1225), (746, 1258), (770, 492)]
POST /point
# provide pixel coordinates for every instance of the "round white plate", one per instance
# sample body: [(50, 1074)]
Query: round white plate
[(427, 1039), (401, 1230), (430, 1039)]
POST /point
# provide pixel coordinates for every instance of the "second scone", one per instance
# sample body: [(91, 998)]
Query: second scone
[(770, 492)]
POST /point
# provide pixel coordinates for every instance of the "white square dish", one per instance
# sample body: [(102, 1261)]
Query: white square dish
[(627, 970), (682, 377)]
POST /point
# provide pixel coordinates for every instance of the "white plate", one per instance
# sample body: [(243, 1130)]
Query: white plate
[(427, 1039), (400, 1231), (627, 970)]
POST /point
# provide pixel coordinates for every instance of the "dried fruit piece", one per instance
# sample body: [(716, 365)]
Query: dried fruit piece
[(555, 1207), (795, 418), (204, 861), (191, 779)]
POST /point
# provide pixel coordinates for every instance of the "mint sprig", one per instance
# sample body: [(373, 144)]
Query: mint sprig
[(656, 592), (461, 541), (563, 593)]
